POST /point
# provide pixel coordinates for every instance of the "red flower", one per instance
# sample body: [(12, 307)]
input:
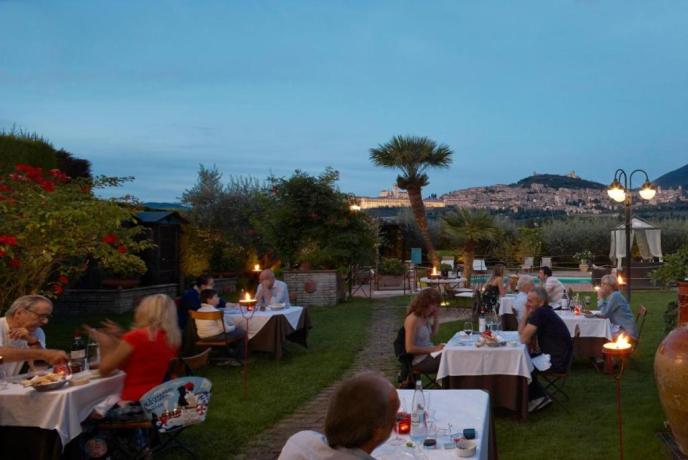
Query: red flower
[(110, 239), (5, 188), (59, 175), (8, 240), (17, 177), (62, 279), (15, 262), (32, 172), (58, 289), (122, 249), (47, 185)]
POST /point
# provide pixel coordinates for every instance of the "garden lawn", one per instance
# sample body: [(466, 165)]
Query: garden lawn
[(589, 431), (276, 388)]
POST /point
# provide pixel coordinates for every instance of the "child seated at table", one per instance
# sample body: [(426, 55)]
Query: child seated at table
[(213, 329)]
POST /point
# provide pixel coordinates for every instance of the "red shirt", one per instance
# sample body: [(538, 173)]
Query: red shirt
[(147, 364)]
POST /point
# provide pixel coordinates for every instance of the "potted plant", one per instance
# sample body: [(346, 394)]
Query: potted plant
[(584, 258), (122, 272), (445, 269), (390, 273)]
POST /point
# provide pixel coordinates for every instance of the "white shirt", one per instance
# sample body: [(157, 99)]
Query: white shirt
[(210, 328), (310, 445), (555, 290), (277, 294), (5, 341), (519, 305)]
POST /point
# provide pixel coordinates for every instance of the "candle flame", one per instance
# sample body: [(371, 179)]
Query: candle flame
[(597, 288), (620, 280), (247, 296), (434, 271), (621, 343), (256, 268)]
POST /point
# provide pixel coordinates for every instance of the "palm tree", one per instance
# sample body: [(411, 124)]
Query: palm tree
[(467, 229), (413, 155)]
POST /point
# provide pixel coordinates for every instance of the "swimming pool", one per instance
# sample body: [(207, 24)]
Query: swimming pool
[(564, 279)]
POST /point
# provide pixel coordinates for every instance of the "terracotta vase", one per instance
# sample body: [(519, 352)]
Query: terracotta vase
[(671, 373)]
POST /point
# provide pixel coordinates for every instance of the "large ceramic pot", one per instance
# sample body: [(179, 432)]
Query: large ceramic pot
[(671, 373)]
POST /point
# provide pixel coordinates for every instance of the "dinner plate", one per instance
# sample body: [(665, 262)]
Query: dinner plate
[(50, 386)]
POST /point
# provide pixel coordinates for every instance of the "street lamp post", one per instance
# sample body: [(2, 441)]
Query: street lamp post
[(623, 193)]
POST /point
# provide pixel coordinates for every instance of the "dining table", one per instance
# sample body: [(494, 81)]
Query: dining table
[(504, 371), (37, 424), (450, 412), (593, 332), (269, 329)]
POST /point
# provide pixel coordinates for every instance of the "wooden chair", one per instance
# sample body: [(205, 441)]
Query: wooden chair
[(186, 366), (639, 323), (224, 343)]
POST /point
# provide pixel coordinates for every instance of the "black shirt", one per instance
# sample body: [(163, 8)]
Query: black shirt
[(553, 337)]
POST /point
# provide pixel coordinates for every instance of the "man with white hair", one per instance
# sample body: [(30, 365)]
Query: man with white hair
[(21, 336), (271, 291), (524, 286)]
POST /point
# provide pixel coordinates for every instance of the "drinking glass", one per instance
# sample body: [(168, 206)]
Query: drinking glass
[(587, 302), (93, 355), (468, 328), (3, 383)]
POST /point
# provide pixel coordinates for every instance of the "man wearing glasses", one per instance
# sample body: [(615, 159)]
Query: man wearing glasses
[(20, 329)]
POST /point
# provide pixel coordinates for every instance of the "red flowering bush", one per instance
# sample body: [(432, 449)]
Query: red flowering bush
[(51, 225)]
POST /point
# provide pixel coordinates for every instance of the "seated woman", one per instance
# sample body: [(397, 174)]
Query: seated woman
[(420, 325), (143, 353), (494, 288), (613, 305)]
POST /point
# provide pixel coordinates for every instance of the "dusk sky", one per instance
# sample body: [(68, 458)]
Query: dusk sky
[(153, 89)]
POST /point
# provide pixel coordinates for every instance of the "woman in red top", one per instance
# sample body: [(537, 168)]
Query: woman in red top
[(144, 352)]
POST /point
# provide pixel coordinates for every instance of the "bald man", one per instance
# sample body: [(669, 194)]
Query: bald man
[(271, 291), (360, 417)]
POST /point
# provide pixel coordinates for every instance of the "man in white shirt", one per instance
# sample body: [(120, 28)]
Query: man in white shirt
[(21, 337), (555, 288), (360, 417), (214, 329), (524, 286), (271, 291)]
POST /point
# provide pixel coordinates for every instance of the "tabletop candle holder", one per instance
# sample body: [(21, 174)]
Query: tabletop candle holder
[(434, 274), (620, 349), (247, 307)]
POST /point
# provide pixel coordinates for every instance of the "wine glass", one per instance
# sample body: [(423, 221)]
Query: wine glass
[(468, 328)]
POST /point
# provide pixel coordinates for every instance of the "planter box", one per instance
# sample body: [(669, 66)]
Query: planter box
[(315, 287), (85, 301), (389, 282)]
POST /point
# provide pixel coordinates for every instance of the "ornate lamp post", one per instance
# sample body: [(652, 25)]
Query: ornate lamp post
[(622, 192)]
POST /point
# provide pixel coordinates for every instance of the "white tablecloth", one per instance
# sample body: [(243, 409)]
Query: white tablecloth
[(512, 359), (461, 408), (62, 410), (450, 282), (261, 318), (589, 327)]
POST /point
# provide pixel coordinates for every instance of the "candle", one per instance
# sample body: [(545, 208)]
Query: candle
[(247, 301), (621, 343), (434, 271), (404, 423), (256, 268), (620, 280)]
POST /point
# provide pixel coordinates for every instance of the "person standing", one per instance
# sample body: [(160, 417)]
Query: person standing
[(555, 288)]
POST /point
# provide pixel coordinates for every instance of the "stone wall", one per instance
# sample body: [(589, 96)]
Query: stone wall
[(85, 301), (314, 287)]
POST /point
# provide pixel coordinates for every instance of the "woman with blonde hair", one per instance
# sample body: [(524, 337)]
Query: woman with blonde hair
[(145, 351), (494, 288), (421, 323)]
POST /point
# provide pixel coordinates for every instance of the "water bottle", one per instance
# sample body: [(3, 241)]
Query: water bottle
[(419, 428), (482, 321)]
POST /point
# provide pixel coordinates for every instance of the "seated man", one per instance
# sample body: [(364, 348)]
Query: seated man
[(555, 288), (271, 291), (360, 417), (214, 329), (553, 339), (21, 337), (613, 305)]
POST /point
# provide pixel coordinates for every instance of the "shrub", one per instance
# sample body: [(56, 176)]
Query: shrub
[(390, 266), (675, 267)]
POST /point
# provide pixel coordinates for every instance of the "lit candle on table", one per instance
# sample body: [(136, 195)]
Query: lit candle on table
[(621, 344), (256, 268), (434, 271), (247, 302)]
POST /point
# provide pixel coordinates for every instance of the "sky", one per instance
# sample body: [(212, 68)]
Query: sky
[(154, 89)]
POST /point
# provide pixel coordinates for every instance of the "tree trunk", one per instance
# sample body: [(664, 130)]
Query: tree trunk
[(468, 257), (418, 209)]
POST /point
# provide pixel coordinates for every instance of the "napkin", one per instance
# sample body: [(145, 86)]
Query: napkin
[(435, 354), (542, 362)]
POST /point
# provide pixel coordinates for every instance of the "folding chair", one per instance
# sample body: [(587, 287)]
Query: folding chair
[(222, 342), (554, 382), (546, 262), (408, 374), (479, 266)]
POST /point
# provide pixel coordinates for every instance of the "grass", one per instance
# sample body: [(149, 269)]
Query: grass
[(276, 388), (590, 430)]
